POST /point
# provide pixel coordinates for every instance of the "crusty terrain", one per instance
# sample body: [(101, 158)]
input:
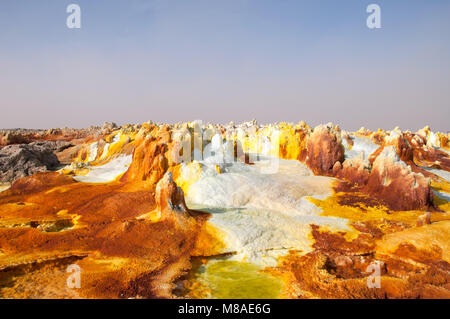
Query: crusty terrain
[(118, 209)]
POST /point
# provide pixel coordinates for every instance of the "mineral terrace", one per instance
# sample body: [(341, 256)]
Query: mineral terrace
[(195, 210)]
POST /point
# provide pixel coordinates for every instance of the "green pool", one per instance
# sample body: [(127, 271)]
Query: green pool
[(228, 279)]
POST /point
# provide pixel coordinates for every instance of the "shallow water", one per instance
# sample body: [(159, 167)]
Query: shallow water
[(229, 279)]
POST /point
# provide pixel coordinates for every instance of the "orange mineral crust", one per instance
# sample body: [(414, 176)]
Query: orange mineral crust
[(46, 226), (191, 210)]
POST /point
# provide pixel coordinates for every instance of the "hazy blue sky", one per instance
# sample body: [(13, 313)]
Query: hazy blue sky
[(170, 61)]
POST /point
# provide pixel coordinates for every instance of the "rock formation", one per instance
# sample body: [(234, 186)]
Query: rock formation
[(170, 201), (424, 219), (390, 174), (150, 157), (324, 149), (22, 160), (397, 185)]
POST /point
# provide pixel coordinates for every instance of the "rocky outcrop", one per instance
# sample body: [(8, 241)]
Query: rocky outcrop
[(324, 149), (388, 179), (9, 138), (392, 181), (22, 160), (150, 160), (53, 146), (424, 219), (390, 173), (426, 154), (169, 198), (108, 127), (356, 170)]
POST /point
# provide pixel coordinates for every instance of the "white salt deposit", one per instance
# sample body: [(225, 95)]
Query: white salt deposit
[(360, 144), (108, 172), (433, 140), (115, 140), (390, 152), (262, 216), (93, 149)]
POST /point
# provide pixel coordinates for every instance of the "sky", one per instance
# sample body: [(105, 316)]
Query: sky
[(225, 60)]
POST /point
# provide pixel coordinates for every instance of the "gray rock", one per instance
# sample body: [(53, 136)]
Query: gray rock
[(22, 160), (54, 146)]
